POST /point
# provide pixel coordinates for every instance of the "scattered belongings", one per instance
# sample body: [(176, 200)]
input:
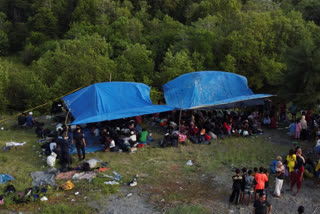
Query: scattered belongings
[(133, 183), (84, 175), (10, 189), (44, 198), (4, 178), (66, 175), (111, 183), (117, 175), (15, 143), (101, 169), (12, 144), (189, 163), (67, 186), (51, 159), (40, 178)]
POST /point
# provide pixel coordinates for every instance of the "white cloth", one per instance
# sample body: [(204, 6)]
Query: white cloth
[(112, 144), (15, 144), (51, 159), (96, 132), (133, 137), (278, 187), (52, 146)]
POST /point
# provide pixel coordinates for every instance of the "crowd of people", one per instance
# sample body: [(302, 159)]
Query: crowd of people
[(199, 127), (254, 184)]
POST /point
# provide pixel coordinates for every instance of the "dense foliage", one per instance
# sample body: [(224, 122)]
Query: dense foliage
[(49, 48)]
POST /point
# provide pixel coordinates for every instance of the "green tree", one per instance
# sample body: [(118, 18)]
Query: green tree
[(175, 65), (75, 63), (303, 74), (3, 84), (135, 64)]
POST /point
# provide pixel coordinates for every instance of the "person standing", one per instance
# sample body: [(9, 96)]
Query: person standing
[(65, 159), (304, 127), (236, 187), (80, 143), (249, 187), (297, 174), (279, 178), (291, 161), (261, 179), (262, 206)]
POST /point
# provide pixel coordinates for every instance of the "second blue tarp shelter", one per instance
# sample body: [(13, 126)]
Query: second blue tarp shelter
[(210, 89), (110, 101)]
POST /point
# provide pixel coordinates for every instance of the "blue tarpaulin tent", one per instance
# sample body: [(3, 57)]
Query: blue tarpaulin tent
[(110, 101), (210, 89)]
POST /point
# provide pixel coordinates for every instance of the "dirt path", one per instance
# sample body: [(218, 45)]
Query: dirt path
[(309, 195)]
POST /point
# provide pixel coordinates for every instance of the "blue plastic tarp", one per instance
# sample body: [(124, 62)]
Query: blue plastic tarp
[(110, 101), (210, 89), (4, 178), (93, 143)]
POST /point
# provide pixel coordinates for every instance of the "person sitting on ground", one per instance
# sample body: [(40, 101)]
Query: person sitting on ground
[(143, 136), (266, 120), (30, 121), (250, 182), (22, 119), (40, 131), (95, 131), (236, 187), (261, 178), (262, 206), (228, 126)]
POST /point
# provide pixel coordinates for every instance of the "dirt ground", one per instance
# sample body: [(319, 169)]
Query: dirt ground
[(217, 201)]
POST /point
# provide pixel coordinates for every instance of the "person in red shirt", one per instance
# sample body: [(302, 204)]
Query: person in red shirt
[(261, 178), (193, 130), (297, 174)]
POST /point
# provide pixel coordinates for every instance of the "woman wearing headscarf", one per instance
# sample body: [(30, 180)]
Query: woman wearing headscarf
[(279, 177)]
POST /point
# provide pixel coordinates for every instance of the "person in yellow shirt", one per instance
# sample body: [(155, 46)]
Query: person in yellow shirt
[(291, 160)]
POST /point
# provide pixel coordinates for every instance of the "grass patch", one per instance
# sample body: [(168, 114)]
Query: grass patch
[(163, 171), (189, 209)]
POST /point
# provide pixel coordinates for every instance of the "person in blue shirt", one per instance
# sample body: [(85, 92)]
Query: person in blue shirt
[(292, 128), (30, 121)]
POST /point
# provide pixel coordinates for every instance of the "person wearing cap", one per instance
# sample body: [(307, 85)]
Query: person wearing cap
[(30, 121), (262, 206)]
